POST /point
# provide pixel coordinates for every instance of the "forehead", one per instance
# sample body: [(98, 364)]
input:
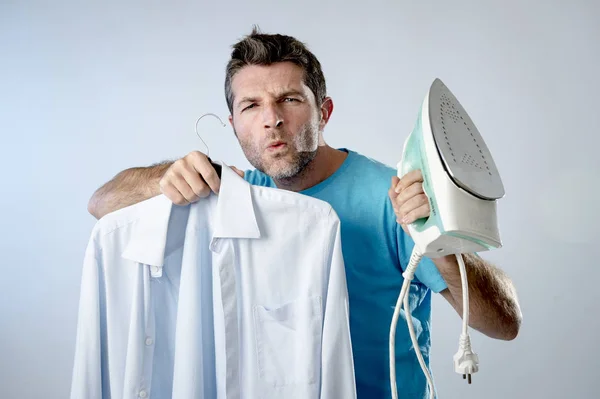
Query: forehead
[(256, 80)]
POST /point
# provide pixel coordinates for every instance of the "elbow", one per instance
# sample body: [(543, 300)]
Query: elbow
[(93, 207), (513, 325)]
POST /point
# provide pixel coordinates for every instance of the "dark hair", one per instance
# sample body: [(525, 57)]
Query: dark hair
[(264, 49)]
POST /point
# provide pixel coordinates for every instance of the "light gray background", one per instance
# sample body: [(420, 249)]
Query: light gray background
[(87, 90)]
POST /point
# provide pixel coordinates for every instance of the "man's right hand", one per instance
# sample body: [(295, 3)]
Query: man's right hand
[(191, 178)]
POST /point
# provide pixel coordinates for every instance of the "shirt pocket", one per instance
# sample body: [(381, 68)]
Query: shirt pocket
[(288, 342)]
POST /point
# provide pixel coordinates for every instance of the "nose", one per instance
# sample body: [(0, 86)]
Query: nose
[(272, 117)]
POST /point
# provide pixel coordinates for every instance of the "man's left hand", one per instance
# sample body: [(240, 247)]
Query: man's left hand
[(408, 198)]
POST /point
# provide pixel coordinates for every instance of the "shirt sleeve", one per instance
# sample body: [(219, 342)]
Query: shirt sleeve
[(427, 273), (86, 375), (337, 364)]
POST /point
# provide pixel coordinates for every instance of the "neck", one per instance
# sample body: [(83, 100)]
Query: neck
[(324, 164)]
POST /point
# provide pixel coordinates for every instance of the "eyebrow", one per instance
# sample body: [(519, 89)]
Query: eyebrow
[(286, 93)]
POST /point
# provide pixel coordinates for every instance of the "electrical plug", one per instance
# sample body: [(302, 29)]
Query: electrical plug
[(466, 362)]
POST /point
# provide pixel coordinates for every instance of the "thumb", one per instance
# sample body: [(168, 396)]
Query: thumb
[(239, 172)]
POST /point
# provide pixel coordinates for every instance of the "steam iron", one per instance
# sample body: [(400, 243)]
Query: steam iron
[(462, 184), (460, 178)]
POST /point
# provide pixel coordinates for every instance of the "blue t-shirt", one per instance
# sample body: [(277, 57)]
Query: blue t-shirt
[(376, 250)]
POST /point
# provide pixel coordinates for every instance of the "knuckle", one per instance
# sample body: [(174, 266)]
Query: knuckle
[(192, 199), (203, 191), (175, 198), (177, 165), (210, 174), (188, 198), (165, 184), (196, 156)]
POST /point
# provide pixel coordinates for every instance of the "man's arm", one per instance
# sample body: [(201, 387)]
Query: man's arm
[(493, 305), (127, 188), (183, 181)]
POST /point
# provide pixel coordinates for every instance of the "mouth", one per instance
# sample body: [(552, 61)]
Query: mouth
[(276, 145)]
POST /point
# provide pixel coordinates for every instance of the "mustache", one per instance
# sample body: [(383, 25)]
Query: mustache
[(275, 136)]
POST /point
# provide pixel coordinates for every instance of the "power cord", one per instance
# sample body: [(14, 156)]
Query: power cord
[(466, 362), (408, 275)]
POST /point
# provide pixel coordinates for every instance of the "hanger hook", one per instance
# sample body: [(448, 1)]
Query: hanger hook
[(198, 134)]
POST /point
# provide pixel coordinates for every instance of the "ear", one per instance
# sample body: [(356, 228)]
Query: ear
[(326, 111), (232, 125)]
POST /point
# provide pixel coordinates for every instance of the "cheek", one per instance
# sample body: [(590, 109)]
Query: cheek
[(243, 131), (248, 140)]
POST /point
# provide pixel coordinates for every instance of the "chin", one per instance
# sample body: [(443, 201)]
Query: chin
[(280, 169)]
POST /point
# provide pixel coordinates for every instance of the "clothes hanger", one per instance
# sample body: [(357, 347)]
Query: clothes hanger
[(215, 165)]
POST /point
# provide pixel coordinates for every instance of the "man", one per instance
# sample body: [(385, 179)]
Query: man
[(276, 95)]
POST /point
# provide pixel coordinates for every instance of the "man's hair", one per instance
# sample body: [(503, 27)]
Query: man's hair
[(265, 49)]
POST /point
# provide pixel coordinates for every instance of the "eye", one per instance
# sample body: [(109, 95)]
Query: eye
[(289, 99), (248, 107)]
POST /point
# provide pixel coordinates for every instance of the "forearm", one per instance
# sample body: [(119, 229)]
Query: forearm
[(127, 188), (493, 305)]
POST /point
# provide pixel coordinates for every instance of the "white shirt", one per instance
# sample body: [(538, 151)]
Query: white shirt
[(239, 295)]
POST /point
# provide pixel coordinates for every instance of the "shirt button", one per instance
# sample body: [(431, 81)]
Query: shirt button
[(143, 394), (149, 341)]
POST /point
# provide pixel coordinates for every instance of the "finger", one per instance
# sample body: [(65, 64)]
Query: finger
[(411, 191), (184, 188), (196, 183), (392, 194), (173, 194), (395, 184), (415, 208), (203, 166), (239, 172), (409, 178), (416, 214)]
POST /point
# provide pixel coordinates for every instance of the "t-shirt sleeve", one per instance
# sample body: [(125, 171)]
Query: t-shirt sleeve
[(427, 273)]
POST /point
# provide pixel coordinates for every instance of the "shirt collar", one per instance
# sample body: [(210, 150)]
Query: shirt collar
[(234, 218)]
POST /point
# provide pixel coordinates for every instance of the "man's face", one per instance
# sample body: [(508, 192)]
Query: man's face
[(275, 118)]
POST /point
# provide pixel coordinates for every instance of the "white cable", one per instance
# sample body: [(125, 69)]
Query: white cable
[(392, 348), (403, 299), (466, 362), (465, 293), (413, 337)]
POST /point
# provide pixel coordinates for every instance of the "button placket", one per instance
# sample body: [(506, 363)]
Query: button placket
[(148, 339), (225, 261)]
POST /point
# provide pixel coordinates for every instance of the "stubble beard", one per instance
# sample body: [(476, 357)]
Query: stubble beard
[(298, 156)]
